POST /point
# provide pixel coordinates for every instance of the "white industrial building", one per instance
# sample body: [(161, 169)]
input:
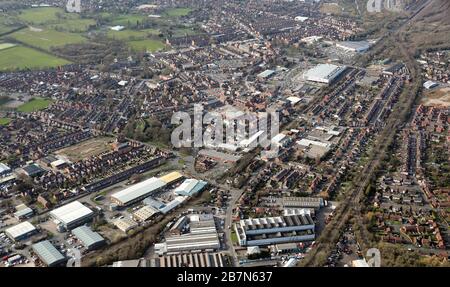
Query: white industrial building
[(138, 191), (355, 46), (4, 169), (71, 215), (324, 73), (20, 231), (273, 230)]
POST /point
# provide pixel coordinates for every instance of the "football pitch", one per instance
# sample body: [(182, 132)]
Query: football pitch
[(20, 58), (36, 104), (46, 38)]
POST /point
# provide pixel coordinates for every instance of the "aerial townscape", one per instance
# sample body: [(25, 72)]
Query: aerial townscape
[(351, 170)]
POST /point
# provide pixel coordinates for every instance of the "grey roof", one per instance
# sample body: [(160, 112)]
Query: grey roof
[(139, 190), (48, 253), (20, 230), (4, 168), (23, 212), (71, 212), (87, 236)]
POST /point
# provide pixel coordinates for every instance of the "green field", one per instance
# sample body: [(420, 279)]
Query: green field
[(177, 12), (36, 104), (129, 20), (19, 58), (46, 39), (4, 46), (45, 15), (132, 34), (73, 25), (147, 45), (4, 121)]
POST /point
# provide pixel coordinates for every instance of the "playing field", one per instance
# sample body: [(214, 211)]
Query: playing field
[(45, 15), (4, 121), (132, 34), (73, 25), (45, 39), (36, 104), (20, 58), (86, 149), (177, 12), (4, 46), (147, 45), (128, 20)]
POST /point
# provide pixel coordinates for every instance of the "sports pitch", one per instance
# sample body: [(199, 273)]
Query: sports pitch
[(45, 39), (147, 45), (36, 104), (20, 58)]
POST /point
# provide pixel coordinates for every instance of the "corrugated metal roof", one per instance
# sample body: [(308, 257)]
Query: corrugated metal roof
[(171, 177), (48, 253), (87, 236), (71, 212), (138, 190), (20, 229)]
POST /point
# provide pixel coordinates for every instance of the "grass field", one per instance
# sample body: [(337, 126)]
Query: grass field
[(147, 45), (45, 15), (46, 39), (36, 104), (4, 121), (86, 149), (177, 12), (132, 34), (20, 58), (73, 25), (4, 46), (129, 20)]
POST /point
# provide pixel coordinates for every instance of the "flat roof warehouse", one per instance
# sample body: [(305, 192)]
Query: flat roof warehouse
[(72, 214), (138, 191)]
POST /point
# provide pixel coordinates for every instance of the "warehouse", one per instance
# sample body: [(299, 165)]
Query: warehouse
[(324, 73), (173, 204), (201, 259), (23, 211), (189, 242), (274, 230), (90, 239), (48, 254), (138, 191), (355, 46), (4, 170), (125, 224), (190, 187), (172, 177), (71, 215), (145, 213), (303, 202), (20, 231)]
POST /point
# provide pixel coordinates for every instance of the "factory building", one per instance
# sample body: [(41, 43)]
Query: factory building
[(125, 224), (145, 213), (324, 73), (188, 243), (90, 239), (21, 231), (190, 187), (23, 211), (303, 202), (200, 259), (4, 170), (274, 230), (48, 254), (172, 177), (71, 215), (138, 191)]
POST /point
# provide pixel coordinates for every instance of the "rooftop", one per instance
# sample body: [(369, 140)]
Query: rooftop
[(87, 236), (139, 190), (48, 253), (71, 212)]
